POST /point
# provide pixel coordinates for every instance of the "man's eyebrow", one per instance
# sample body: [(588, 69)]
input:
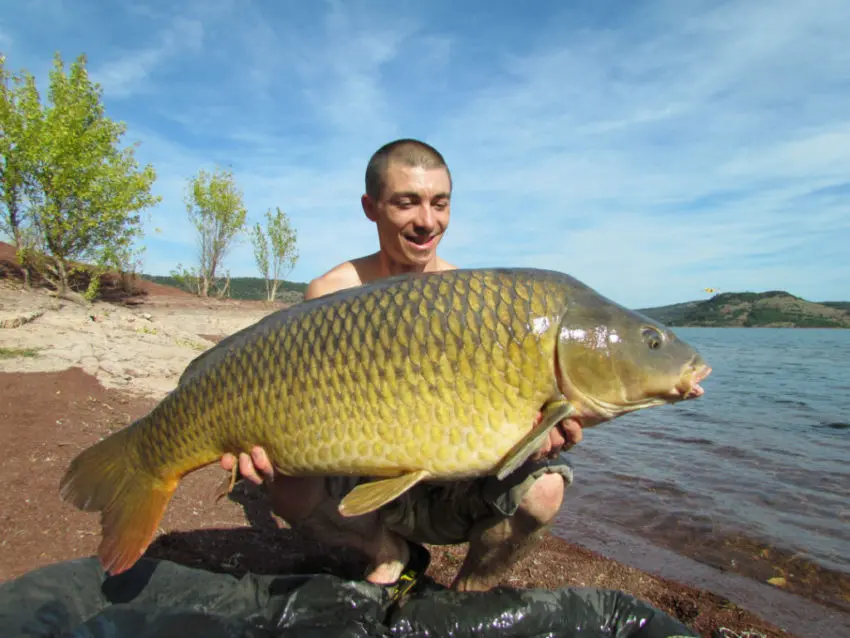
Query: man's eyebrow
[(415, 195)]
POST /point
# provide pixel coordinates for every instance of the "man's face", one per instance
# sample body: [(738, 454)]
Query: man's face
[(412, 212)]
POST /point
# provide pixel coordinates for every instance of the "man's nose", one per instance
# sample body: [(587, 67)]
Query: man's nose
[(425, 218)]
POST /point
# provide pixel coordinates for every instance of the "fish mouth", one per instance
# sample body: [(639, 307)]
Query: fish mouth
[(689, 387), (593, 410)]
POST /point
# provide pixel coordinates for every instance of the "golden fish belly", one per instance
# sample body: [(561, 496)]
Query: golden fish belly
[(442, 373)]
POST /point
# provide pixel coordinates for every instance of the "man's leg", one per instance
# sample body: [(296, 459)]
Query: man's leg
[(310, 504), (501, 520), (386, 551), (499, 543)]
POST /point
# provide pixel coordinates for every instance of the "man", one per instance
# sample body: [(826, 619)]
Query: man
[(408, 197)]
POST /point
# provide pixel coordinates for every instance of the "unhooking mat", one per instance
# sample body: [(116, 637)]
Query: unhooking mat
[(162, 599)]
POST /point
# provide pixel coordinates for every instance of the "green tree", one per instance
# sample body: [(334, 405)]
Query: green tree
[(90, 192), (275, 250), (215, 206), (18, 146)]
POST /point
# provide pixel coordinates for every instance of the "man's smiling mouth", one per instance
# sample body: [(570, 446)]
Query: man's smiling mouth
[(422, 241)]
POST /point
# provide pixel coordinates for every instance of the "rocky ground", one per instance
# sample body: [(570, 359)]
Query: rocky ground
[(70, 375)]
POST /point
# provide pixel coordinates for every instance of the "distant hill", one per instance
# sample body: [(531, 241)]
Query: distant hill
[(775, 308), (246, 287), (670, 315), (841, 305)]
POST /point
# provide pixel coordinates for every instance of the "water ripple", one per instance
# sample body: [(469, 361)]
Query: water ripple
[(765, 451)]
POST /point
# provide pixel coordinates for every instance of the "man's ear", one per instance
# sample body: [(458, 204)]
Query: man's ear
[(369, 207)]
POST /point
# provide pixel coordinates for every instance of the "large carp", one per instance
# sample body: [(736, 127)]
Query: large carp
[(434, 376)]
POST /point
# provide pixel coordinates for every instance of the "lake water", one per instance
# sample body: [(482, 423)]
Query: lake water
[(753, 478)]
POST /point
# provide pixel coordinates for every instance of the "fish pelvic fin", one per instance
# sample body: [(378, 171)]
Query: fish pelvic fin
[(131, 501), (368, 497), (553, 413)]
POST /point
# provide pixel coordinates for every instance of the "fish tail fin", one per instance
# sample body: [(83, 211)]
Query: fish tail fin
[(131, 501)]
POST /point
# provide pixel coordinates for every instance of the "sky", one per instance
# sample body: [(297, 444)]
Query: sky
[(651, 149)]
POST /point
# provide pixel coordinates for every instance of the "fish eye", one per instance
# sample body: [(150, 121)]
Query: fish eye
[(652, 337)]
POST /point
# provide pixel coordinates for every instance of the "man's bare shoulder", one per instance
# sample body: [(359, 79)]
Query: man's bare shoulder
[(355, 272), (442, 264), (345, 275)]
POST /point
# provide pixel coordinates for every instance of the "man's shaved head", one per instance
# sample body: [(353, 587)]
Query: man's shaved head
[(407, 152)]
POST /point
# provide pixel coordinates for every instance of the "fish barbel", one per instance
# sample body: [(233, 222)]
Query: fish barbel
[(433, 376)]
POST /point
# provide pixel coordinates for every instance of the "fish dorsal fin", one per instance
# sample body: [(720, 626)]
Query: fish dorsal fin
[(553, 413), (368, 497)]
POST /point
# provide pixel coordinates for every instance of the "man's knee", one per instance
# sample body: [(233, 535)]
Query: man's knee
[(543, 499), (295, 497)]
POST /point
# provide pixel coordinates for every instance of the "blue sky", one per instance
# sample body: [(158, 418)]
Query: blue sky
[(652, 149)]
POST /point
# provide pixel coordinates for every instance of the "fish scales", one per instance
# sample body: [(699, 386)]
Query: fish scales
[(403, 375)]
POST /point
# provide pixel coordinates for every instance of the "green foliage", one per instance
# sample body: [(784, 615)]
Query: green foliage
[(216, 209), (182, 277), (129, 260), (841, 305), (18, 153), (668, 315), (12, 353), (252, 288), (11, 124), (274, 250), (261, 253), (86, 193)]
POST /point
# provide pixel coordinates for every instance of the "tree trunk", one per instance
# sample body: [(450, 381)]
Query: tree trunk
[(22, 258), (63, 291), (62, 287), (221, 293)]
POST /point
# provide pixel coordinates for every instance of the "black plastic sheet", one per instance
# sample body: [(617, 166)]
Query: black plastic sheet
[(165, 599)]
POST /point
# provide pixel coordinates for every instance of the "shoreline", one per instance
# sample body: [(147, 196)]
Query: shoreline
[(48, 417), (792, 610)]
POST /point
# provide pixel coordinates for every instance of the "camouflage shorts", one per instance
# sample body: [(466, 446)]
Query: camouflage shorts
[(443, 513)]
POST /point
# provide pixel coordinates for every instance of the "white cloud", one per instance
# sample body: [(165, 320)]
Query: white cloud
[(131, 74), (640, 157)]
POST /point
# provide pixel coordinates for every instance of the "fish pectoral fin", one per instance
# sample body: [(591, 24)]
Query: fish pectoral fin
[(368, 497), (553, 413)]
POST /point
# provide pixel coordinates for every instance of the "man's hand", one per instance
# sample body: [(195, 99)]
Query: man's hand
[(249, 465), (292, 497), (561, 437)]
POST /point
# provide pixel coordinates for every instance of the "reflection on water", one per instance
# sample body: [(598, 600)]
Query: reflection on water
[(754, 476)]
